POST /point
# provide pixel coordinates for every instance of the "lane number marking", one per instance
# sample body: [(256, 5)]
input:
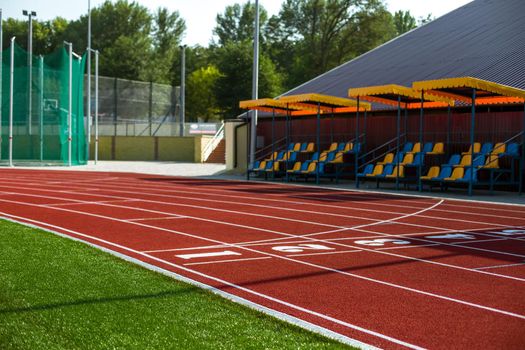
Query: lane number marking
[(300, 248), (452, 236), (381, 242)]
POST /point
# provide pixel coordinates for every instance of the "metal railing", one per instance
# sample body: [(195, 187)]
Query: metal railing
[(213, 143)]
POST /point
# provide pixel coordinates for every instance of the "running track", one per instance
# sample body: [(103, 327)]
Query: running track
[(387, 271)]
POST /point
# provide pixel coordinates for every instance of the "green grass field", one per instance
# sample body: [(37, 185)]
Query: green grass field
[(59, 294)]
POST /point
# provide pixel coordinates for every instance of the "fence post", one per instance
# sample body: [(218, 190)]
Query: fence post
[(11, 77), (150, 114), (115, 106)]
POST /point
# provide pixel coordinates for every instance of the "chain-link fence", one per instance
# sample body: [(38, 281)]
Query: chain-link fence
[(137, 108)]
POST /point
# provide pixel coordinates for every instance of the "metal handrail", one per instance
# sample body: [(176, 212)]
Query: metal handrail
[(212, 144)]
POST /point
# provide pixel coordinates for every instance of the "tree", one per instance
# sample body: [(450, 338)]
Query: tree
[(234, 61), (168, 30), (404, 22), (200, 94), (121, 31), (309, 37), (47, 35), (236, 24)]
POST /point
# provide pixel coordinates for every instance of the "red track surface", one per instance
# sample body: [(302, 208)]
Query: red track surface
[(389, 271)]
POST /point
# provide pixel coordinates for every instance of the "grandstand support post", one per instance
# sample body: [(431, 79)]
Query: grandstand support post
[(41, 107), (70, 106), (11, 77), (420, 165), (406, 123), (472, 138), (398, 127), (96, 106), (332, 126), (356, 140), (449, 121), (273, 132), (522, 161), (286, 133), (318, 139)]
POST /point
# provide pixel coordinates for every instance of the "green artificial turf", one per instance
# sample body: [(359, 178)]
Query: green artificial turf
[(56, 293)]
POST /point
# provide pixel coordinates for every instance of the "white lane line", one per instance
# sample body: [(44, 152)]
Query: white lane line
[(226, 261), (159, 218), (224, 282), (316, 266), (477, 222), (334, 243), (353, 192), (93, 202), (499, 266)]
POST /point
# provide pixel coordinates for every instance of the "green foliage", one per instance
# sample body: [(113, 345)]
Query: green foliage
[(200, 94), (234, 61), (59, 294), (404, 22), (306, 38), (236, 24)]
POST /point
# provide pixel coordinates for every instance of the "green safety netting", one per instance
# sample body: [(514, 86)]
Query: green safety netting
[(41, 135)]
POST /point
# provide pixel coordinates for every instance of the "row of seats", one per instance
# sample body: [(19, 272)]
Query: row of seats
[(500, 148), (301, 147), (428, 148)]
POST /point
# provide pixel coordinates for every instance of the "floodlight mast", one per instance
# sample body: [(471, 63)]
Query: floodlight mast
[(255, 86), (29, 14), (88, 124), (182, 89)]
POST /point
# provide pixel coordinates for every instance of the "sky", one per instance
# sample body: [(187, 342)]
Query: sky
[(200, 14)]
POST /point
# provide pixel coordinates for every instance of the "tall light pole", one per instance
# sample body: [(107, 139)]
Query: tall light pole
[(182, 89), (88, 83), (29, 14), (255, 85)]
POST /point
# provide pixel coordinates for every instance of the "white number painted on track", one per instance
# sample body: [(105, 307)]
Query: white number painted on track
[(381, 242), (300, 248), (510, 232), (452, 236), (207, 255)]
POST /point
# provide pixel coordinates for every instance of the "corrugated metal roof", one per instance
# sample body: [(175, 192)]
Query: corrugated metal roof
[(484, 39)]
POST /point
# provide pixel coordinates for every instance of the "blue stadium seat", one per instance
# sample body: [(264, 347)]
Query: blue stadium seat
[(315, 157), (304, 145), (367, 170), (454, 160), (387, 170), (512, 150), (486, 148), (408, 147), (466, 176), (445, 172), (428, 147)]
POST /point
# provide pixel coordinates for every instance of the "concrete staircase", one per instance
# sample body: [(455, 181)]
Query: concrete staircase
[(218, 155)]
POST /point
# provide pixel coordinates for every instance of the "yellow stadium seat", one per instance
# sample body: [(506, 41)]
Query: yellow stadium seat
[(466, 160), (498, 148), (492, 162), (296, 167), (338, 158), (389, 158), (311, 168), (395, 174), (323, 156), (477, 148), (262, 165), (432, 172), (416, 148), (457, 173), (310, 147), (297, 147), (378, 170), (348, 147), (333, 147), (407, 159), (439, 148)]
